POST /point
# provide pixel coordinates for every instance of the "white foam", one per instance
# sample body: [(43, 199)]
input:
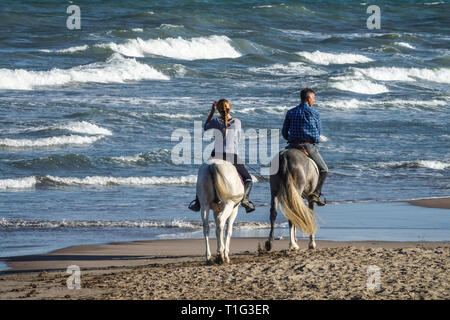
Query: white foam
[(270, 110), (213, 47), (292, 68), (115, 69), (100, 181), (137, 30), (358, 85), (356, 104), (86, 127), (175, 115), (441, 75), (129, 159), (405, 45), (127, 181), (69, 50), (47, 142), (430, 164), (20, 183), (168, 26), (176, 223), (326, 58), (436, 165)]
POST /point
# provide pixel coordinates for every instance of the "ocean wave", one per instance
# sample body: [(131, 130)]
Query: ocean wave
[(405, 45), (270, 110), (95, 181), (116, 69), (78, 127), (358, 85), (158, 156), (430, 164), (292, 68), (174, 115), (441, 75), (87, 128), (176, 223), (20, 183), (213, 47), (356, 104), (162, 224), (68, 50), (48, 142), (67, 161), (325, 58)]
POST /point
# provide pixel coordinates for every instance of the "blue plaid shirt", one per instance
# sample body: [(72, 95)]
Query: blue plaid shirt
[(302, 124)]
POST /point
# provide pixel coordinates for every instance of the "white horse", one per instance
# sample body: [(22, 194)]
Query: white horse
[(219, 180)]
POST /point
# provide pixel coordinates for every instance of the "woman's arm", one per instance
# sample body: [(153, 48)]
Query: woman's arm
[(210, 116), (211, 113)]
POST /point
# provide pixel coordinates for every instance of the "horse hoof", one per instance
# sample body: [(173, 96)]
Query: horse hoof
[(294, 247), (312, 246), (209, 262), (220, 259), (268, 245)]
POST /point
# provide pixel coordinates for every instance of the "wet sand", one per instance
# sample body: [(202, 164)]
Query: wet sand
[(442, 203), (175, 269)]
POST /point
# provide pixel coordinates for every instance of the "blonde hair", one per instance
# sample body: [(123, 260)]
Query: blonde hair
[(224, 107)]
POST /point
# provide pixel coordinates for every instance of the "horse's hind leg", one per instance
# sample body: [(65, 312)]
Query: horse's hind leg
[(273, 216), (292, 237), (205, 218), (221, 218), (312, 243), (229, 232)]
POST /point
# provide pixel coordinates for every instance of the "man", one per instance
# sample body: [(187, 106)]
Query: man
[(302, 127)]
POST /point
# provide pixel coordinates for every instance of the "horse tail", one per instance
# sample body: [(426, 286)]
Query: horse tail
[(220, 184), (291, 203)]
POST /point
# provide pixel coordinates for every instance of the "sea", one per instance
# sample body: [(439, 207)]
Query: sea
[(96, 98)]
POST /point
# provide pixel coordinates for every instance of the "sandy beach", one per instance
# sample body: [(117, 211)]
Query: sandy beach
[(175, 269), (440, 203)]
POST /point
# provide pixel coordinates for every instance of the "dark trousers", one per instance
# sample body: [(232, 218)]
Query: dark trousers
[(234, 159), (315, 155)]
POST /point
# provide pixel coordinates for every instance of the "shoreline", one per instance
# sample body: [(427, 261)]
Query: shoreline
[(437, 203)]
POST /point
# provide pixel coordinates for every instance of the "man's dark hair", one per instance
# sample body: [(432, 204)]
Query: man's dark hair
[(306, 93)]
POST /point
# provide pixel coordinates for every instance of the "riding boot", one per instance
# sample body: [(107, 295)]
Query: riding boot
[(195, 204), (315, 196), (247, 204)]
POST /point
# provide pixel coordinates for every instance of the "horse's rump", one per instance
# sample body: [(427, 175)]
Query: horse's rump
[(290, 191), (227, 180)]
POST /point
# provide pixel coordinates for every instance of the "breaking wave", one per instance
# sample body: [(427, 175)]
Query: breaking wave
[(213, 47), (358, 85), (48, 142), (326, 58), (94, 181), (169, 224), (116, 69), (441, 75)]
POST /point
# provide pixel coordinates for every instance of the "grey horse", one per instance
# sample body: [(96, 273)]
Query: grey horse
[(293, 176)]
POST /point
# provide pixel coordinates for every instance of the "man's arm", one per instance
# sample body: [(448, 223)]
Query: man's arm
[(317, 124), (285, 130)]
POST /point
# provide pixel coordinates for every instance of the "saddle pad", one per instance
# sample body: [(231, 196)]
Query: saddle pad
[(314, 165)]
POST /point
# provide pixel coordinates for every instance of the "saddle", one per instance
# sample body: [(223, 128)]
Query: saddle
[(303, 149)]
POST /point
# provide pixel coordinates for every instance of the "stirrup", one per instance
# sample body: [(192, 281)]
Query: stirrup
[(248, 206), (194, 205), (315, 198)]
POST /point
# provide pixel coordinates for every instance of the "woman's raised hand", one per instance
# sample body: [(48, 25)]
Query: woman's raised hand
[(214, 106)]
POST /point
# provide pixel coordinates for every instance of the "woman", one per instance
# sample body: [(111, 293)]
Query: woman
[(227, 148)]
